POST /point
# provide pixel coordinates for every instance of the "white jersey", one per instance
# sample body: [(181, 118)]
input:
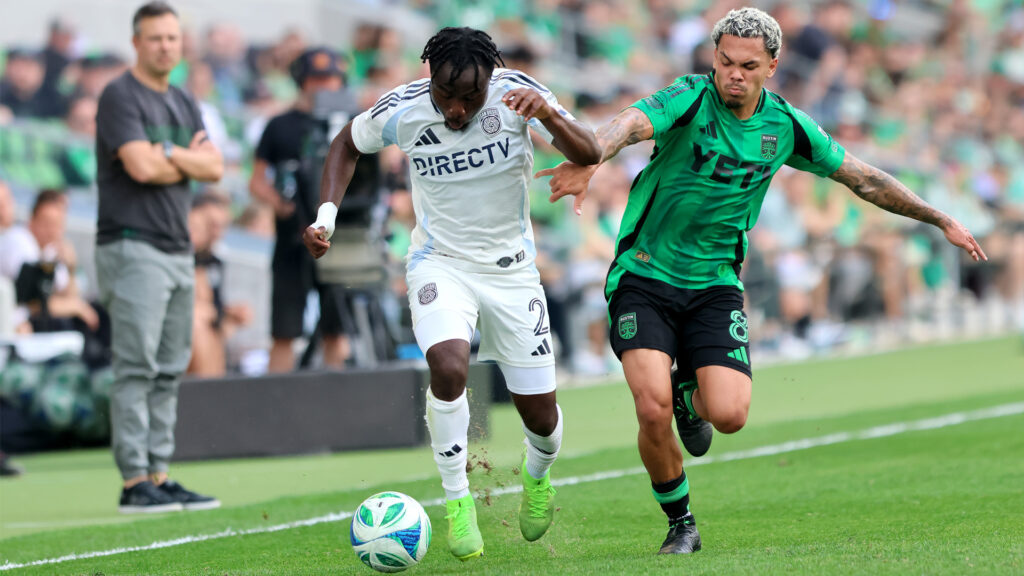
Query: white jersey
[(469, 188)]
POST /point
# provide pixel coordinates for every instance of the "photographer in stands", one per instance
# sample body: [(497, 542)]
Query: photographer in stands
[(282, 177)]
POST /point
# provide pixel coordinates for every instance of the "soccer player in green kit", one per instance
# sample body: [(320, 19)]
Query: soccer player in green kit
[(673, 289)]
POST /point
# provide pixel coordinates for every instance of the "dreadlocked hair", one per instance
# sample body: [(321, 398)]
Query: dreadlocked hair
[(462, 48)]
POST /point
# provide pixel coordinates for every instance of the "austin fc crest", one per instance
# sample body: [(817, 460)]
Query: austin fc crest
[(428, 293), (627, 326), (490, 121), (769, 146)]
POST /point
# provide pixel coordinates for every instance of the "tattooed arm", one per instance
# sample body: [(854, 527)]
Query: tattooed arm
[(888, 193), (629, 127)]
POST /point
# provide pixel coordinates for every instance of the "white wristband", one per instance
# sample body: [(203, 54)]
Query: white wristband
[(325, 217)]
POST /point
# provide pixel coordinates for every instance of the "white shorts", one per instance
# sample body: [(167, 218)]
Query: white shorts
[(509, 308)]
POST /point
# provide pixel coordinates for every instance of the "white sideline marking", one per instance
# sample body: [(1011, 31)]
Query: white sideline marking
[(793, 446), (71, 523)]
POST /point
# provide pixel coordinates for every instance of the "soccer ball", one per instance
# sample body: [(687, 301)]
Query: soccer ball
[(390, 532)]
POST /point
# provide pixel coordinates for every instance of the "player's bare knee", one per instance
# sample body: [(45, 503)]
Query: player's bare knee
[(541, 422), (652, 414), (730, 421), (448, 378)]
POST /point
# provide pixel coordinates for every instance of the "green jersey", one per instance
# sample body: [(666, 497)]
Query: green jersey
[(690, 208)]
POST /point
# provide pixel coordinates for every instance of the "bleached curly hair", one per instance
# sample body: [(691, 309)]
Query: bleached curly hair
[(750, 23)]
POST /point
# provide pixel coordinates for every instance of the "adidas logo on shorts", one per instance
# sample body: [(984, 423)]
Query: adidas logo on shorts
[(543, 349)]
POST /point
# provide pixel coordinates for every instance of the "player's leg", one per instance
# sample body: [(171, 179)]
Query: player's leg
[(647, 374), (723, 397), (533, 393), (515, 332), (695, 432), (448, 423), (643, 335), (447, 407), (444, 316), (716, 345)]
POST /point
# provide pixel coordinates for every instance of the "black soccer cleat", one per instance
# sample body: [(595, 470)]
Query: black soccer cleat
[(188, 499), (683, 538), (8, 468), (695, 432)]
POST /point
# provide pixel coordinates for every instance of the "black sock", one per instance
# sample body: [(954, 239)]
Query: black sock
[(674, 498)]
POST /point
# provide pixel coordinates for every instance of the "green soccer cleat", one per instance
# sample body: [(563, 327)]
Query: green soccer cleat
[(464, 539), (537, 509)]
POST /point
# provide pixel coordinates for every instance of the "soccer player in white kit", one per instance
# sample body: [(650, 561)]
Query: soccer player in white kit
[(471, 263)]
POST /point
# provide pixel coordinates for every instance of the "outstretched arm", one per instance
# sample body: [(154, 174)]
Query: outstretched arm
[(338, 169), (629, 127), (882, 190), (571, 137)]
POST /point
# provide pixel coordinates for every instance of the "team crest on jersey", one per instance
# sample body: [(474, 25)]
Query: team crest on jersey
[(627, 326), (769, 146), (428, 293), (490, 121)]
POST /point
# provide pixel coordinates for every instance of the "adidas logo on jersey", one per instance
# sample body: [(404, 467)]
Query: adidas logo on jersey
[(428, 138), (543, 349)]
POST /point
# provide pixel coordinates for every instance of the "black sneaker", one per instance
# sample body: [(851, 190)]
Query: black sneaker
[(694, 431), (189, 500), (682, 538), (8, 468), (145, 497)]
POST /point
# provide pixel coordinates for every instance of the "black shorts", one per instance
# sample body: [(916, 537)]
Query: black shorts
[(294, 275), (696, 328)]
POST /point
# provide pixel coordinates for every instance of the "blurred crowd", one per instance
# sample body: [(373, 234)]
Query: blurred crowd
[(931, 91)]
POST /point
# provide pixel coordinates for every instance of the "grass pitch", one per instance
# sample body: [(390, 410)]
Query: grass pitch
[(943, 500)]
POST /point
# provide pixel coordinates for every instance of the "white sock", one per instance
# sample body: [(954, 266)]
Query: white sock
[(448, 423), (541, 451)]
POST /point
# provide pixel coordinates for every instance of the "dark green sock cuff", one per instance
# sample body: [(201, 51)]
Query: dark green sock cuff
[(675, 495)]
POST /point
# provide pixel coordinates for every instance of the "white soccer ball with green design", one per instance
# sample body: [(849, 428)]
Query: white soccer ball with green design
[(390, 532)]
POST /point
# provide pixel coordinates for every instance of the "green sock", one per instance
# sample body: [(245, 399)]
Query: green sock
[(674, 498)]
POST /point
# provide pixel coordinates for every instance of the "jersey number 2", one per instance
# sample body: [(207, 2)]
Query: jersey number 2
[(541, 329)]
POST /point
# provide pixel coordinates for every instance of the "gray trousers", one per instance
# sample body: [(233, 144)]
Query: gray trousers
[(149, 296)]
